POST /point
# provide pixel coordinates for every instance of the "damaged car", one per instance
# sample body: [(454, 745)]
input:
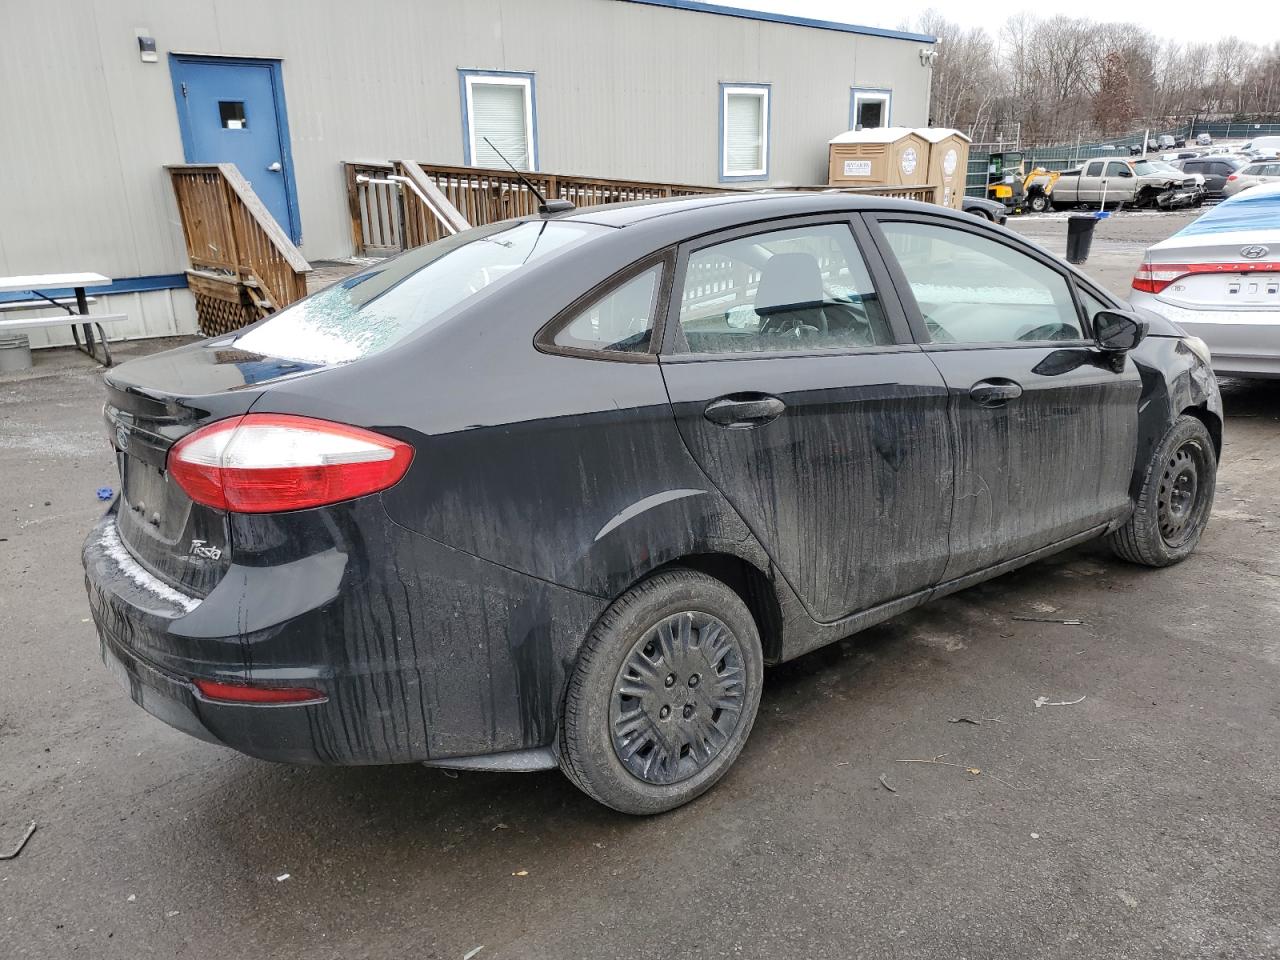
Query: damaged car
[(1122, 183), (553, 492)]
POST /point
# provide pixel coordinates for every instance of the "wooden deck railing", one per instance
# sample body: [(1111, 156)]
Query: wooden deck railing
[(243, 264), (374, 203), (437, 198)]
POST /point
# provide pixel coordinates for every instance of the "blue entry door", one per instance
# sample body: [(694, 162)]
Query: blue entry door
[(232, 111)]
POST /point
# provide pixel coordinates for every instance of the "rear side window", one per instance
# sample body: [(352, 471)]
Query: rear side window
[(1094, 169), (972, 289), (370, 311), (619, 322), (798, 289)]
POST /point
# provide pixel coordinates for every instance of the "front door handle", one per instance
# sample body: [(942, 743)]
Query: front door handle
[(994, 392), (744, 410)]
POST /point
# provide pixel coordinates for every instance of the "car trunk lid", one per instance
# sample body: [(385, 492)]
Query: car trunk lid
[(152, 403)]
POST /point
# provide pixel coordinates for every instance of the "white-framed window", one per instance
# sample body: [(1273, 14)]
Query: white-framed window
[(869, 109), (744, 131), (499, 106)]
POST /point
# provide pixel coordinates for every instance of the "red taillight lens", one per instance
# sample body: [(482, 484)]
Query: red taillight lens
[(1232, 176), (267, 463), (1154, 277), (251, 693)]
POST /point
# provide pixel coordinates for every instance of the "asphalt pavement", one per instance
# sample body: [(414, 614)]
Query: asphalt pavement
[(1132, 813)]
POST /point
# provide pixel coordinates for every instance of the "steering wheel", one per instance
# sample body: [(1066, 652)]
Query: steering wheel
[(1050, 331), (784, 324)]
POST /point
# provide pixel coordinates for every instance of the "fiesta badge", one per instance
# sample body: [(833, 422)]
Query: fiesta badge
[(1254, 251)]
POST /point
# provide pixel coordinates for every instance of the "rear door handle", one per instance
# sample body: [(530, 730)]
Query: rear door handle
[(744, 410), (994, 392)]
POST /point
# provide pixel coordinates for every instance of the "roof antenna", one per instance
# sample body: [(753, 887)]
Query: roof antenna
[(544, 205)]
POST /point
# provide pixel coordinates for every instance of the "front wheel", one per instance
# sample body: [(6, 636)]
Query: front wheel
[(664, 694), (1039, 203), (1175, 500)]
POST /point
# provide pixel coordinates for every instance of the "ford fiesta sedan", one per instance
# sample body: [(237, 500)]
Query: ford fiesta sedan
[(554, 491)]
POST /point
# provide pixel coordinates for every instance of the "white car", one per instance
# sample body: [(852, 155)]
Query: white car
[(1255, 174), (1218, 279)]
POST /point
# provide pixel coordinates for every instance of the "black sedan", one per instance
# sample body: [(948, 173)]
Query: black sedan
[(554, 491)]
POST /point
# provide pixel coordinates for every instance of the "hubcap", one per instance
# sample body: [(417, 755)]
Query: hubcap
[(677, 698), (1179, 506)]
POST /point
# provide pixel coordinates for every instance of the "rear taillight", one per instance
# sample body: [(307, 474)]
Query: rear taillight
[(267, 463), (1154, 277), (255, 693), (1232, 176)]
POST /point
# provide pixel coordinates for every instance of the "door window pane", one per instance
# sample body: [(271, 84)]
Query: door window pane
[(231, 115), (1117, 169), (972, 289), (799, 289), (746, 131), (620, 321), (500, 112), (1094, 169)]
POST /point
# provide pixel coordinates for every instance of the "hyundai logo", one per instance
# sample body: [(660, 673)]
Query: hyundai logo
[(1254, 252), (122, 437)]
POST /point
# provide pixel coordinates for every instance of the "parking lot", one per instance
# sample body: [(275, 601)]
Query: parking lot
[(1106, 788)]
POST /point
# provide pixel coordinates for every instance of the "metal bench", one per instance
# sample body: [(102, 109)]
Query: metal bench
[(79, 317)]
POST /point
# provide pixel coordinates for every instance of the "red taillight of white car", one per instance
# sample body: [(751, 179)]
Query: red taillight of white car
[(1154, 277), (268, 463)]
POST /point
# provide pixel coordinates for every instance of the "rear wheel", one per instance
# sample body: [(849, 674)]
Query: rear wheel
[(1175, 500), (664, 694)]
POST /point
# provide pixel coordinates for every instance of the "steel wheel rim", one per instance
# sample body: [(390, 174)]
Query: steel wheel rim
[(677, 698), (1180, 498)]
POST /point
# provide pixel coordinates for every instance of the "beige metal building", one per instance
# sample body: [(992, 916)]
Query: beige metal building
[(96, 96)]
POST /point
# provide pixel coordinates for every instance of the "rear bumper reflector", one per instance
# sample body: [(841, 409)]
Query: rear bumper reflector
[(253, 693)]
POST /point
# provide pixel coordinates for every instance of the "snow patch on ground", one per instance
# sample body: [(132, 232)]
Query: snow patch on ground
[(113, 548)]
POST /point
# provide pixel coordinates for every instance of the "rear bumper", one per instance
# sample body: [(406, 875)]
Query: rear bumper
[(1242, 343), (424, 655)]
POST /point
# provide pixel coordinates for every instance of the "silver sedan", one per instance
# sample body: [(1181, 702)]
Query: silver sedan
[(1219, 279)]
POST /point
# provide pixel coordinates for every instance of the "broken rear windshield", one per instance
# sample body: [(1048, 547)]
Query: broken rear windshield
[(372, 310)]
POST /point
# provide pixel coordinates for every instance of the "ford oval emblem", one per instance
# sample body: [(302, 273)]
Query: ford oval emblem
[(1255, 251), (122, 437)]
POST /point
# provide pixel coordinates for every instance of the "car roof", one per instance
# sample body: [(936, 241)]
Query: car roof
[(700, 213)]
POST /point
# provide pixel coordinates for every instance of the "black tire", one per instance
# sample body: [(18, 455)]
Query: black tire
[(594, 730), (1039, 203), (1172, 511)]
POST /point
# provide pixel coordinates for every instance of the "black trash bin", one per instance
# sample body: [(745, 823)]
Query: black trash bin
[(1080, 236)]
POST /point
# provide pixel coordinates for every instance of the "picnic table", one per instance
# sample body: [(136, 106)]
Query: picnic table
[(44, 293)]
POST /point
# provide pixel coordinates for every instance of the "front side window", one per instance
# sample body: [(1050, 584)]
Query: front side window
[(499, 114), (619, 322), (972, 289), (744, 135), (799, 289)]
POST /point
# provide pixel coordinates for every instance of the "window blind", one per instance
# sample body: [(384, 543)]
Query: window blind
[(498, 112), (744, 133)]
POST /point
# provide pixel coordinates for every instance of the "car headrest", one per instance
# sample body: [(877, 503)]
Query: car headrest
[(789, 281)]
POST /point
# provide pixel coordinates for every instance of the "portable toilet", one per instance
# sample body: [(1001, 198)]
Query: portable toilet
[(879, 157), (948, 164)]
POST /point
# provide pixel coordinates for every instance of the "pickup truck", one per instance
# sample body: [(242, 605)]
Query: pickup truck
[(1130, 183)]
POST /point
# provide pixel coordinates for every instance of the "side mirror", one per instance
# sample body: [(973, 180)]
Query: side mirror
[(1117, 332)]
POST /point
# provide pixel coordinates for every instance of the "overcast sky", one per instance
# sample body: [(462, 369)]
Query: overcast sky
[(1185, 21)]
